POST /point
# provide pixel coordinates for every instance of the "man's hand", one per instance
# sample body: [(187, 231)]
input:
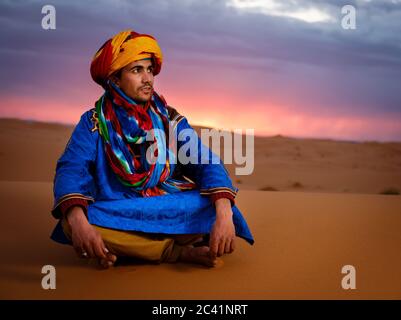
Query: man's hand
[(85, 237), (222, 236)]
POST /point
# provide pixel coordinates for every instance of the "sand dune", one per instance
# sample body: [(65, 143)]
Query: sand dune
[(302, 242), (281, 163), (303, 239)]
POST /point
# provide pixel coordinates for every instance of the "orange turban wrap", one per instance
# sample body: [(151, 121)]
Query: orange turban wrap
[(119, 51)]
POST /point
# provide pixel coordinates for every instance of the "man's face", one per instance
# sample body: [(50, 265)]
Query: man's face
[(136, 80)]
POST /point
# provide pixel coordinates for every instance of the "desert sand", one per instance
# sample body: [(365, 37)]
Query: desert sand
[(327, 212)]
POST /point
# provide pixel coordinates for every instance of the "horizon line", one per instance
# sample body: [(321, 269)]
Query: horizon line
[(277, 135)]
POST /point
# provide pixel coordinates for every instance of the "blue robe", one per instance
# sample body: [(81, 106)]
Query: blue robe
[(83, 172)]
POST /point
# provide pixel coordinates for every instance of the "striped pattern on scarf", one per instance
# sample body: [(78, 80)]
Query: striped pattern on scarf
[(123, 126)]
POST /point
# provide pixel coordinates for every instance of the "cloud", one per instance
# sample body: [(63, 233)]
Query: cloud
[(279, 58), (310, 14)]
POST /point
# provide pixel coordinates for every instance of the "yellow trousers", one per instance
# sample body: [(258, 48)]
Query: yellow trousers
[(153, 247)]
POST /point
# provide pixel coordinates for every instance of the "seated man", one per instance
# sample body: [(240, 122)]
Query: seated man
[(119, 188)]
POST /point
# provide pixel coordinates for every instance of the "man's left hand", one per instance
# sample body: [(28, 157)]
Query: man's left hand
[(222, 236)]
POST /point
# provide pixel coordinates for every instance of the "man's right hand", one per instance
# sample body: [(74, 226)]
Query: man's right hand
[(85, 238)]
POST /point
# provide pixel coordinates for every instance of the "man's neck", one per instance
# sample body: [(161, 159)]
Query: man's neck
[(142, 104)]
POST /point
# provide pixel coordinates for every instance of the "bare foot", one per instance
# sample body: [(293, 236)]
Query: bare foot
[(197, 255), (107, 263)]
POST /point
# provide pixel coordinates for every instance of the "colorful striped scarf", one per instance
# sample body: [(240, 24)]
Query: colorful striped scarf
[(123, 126)]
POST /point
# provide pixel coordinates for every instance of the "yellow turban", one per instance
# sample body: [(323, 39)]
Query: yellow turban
[(119, 51)]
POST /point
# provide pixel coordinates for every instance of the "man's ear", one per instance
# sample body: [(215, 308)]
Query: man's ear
[(115, 80)]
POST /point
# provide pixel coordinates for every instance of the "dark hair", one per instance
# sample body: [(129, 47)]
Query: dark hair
[(118, 73)]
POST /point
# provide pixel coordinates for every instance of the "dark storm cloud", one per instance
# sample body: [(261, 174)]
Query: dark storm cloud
[(364, 64)]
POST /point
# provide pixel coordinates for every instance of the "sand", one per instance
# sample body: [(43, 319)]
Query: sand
[(281, 163), (304, 236)]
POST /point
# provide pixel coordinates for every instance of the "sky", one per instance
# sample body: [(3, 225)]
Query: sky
[(278, 67)]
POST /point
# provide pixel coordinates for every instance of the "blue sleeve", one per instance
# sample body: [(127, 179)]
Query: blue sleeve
[(76, 166), (211, 177)]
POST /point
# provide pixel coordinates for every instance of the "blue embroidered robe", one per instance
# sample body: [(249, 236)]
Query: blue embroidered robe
[(83, 172)]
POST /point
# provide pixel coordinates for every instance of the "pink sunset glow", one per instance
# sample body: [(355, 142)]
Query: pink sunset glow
[(265, 120), (275, 74)]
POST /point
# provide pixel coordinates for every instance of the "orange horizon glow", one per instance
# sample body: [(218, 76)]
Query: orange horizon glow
[(279, 70), (265, 120)]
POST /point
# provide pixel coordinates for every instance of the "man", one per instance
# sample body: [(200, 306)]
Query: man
[(112, 201)]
